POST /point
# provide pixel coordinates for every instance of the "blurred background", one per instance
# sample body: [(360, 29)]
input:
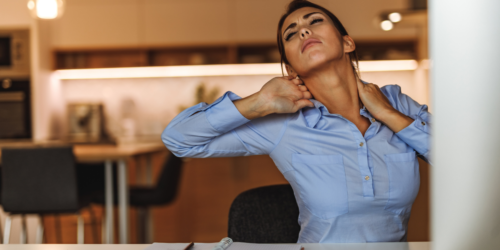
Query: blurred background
[(115, 72)]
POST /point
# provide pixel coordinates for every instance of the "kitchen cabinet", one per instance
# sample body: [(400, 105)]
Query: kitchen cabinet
[(131, 33), (126, 23)]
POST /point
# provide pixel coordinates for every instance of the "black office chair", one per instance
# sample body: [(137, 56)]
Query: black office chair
[(163, 193), (265, 215), (40, 181)]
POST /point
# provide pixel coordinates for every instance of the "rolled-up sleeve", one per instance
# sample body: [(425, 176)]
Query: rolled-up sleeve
[(223, 115), (417, 134)]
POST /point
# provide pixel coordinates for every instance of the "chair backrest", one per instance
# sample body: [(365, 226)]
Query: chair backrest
[(265, 215), (39, 180), (169, 179)]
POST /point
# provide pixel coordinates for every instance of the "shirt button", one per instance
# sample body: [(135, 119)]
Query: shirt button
[(367, 177), (423, 123), (361, 144), (373, 120)]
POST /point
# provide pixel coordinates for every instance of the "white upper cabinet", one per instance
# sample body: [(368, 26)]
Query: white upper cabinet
[(94, 23), (256, 20), (186, 21), (108, 23)]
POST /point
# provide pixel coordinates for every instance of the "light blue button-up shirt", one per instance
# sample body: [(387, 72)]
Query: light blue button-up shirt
[(349, 187)]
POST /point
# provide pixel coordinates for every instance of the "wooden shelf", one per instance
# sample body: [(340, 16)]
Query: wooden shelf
[(386, 50), (164, 56), (208, 54)]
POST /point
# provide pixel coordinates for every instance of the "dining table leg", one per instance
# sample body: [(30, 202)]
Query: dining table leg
[(108, 173), (123, 200), (149, 181)]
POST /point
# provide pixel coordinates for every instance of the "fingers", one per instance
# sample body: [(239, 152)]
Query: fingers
[(302, 103), (305, 92), (297, 82), (303, 88), (307, 95)]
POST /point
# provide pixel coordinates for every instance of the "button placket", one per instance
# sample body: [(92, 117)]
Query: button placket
[(364, 168)]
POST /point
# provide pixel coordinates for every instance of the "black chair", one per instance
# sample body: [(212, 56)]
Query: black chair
[(163, 193), (265, 215), (40, 181)]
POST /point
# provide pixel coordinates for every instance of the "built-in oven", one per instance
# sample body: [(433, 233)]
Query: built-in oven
[(15, 90), (15, 108)]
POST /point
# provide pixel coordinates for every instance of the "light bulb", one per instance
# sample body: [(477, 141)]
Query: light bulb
[(386, 25), (395, 17), (46, 9), (31, 4)]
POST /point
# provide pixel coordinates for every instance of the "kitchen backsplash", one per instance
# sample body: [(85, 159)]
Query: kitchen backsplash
[(140, 108)]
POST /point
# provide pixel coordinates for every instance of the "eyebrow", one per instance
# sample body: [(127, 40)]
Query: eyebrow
[(295, 24)]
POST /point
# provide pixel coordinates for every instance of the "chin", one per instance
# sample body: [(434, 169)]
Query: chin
[(315, 60)]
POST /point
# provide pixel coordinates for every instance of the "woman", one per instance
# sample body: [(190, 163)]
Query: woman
[(349, 153)]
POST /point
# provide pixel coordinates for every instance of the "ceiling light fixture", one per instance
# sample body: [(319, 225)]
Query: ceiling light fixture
[(395, 17), (46, 9), (386, 25)]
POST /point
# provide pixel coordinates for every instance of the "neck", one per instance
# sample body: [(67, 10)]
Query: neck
[(335, 87)]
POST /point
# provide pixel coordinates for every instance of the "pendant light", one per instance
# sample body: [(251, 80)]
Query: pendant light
[(46, 9)]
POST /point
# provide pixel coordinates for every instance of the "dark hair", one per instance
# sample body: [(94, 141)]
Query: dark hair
[(298, 4)]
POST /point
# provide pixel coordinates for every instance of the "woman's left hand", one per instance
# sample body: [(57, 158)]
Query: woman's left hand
[(374, 100), (380, 108)]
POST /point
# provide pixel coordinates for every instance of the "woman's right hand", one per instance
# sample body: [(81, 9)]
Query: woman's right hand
[(279, 95)]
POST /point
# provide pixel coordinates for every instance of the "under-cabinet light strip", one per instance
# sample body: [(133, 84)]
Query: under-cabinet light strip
[(214, 70)]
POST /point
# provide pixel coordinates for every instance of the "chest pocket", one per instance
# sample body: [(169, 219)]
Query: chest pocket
[(404, 181), (321, 184)]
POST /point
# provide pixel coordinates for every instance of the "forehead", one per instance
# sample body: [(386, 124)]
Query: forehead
[(298, 14)]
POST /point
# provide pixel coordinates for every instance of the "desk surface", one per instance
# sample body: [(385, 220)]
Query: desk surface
[(111, 152), (97, 152), (352, 246)]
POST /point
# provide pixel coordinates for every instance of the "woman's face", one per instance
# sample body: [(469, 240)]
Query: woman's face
[(310, 40)]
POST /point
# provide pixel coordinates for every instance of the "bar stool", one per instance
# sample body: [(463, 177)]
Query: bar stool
[(41, 181), (163, 193)]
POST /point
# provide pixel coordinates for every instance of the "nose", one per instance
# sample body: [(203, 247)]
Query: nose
[(305, 32)]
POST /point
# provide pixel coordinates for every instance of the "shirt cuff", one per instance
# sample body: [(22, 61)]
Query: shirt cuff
[(223, 115), (416, 135)]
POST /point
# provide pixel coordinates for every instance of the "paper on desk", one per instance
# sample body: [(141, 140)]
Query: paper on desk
[(180, 246), (234, 246), (253, 246)]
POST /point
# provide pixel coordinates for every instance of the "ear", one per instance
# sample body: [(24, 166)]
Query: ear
[(290, 71), (349, 45)]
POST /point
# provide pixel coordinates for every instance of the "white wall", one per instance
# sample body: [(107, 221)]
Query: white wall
[(101, 23)]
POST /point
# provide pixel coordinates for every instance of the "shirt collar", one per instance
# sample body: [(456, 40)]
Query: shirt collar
[(312, 115)]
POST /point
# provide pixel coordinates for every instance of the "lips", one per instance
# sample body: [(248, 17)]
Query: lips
[(309, 42)]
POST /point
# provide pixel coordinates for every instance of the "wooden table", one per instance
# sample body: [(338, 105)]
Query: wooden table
[(108, 154), (351, 246)]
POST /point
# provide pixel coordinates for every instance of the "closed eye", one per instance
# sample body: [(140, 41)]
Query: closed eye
[(318, 20), (289, 36)]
